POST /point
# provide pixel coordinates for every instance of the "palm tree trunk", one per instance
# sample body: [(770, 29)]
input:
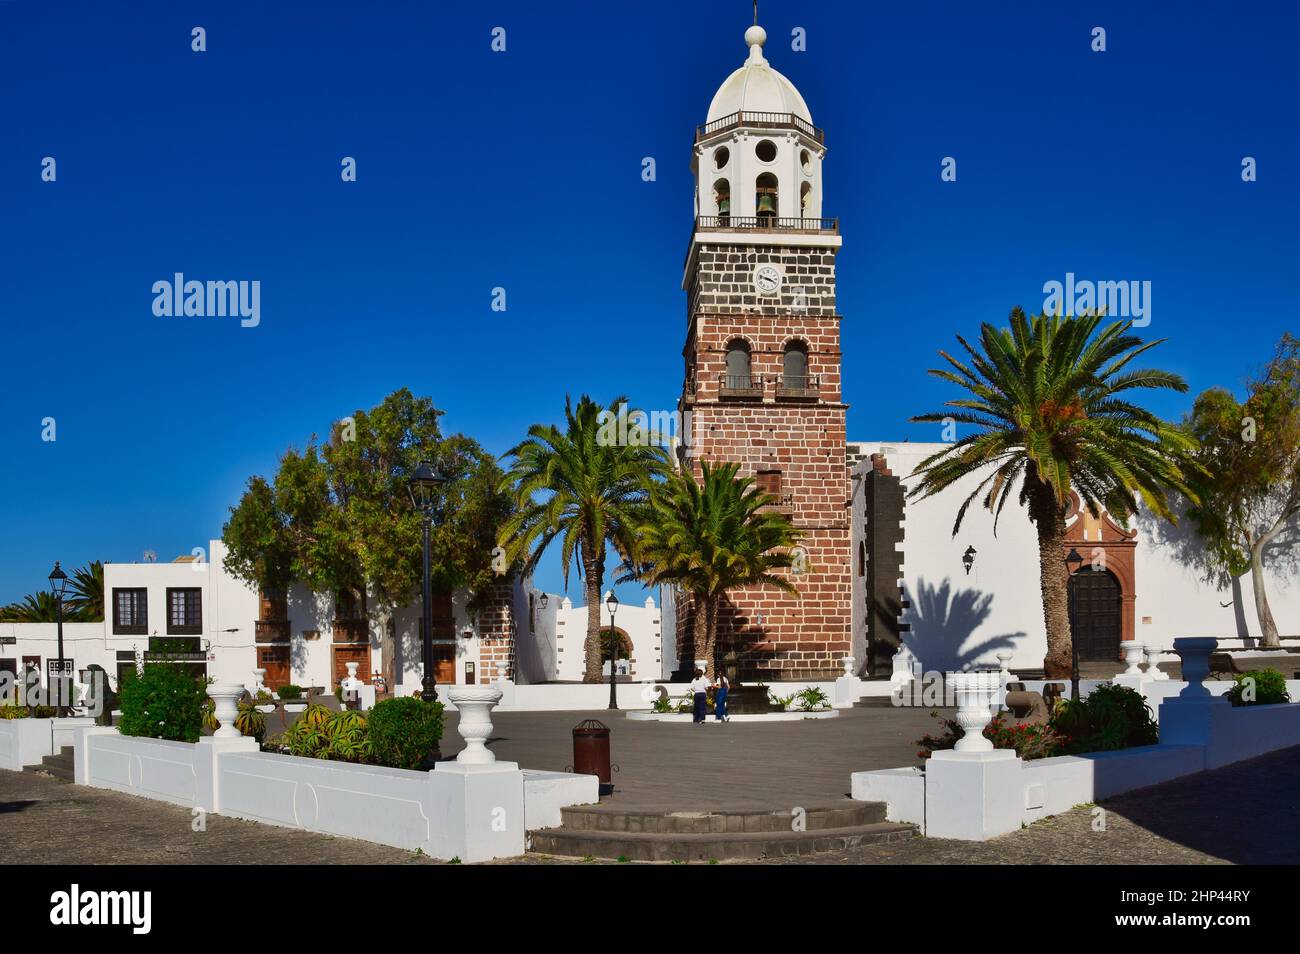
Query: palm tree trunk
[(1267, 625), (591, 648), (711, 636), (699, 633), (1054, 583)]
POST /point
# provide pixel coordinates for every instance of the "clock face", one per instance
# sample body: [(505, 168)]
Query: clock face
[(767, 279)]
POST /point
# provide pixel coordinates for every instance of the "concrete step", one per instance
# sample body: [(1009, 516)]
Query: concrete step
[(594, 818), (736, 846), (60, 766)]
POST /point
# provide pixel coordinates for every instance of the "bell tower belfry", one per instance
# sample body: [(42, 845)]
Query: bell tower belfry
[(762, 361)]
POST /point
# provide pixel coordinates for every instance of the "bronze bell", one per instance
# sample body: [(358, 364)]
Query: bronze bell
[(767, 204), (724, 206)]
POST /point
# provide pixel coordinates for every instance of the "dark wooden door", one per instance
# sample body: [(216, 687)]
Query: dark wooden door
[(1097, 621), (275, 660), (444, 663), (346, 654)]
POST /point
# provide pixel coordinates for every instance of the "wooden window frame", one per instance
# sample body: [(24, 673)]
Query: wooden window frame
[(185, 629), (131, 629)]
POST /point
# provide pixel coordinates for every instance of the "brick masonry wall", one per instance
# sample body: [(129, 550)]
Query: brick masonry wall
[(496, 632), (807, 636)]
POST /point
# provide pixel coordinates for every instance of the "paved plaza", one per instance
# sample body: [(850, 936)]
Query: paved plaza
[(1238, 814)]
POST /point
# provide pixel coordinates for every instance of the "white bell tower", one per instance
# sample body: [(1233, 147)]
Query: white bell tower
[(758, 154)]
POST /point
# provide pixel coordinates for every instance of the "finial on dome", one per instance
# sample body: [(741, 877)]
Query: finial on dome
[(755, 37)]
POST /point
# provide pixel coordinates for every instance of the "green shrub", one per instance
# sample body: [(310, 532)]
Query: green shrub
[(164, 702), (290, 692), (44, 712), (1030, 740), (1108, 718), (13, 712), (812, 698), (1263, 687), (348, 737), (404, 731), (249, 721), (782, 702)]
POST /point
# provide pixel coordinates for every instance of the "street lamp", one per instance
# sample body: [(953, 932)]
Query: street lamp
[(612, 602), (1072, 563), (968, 559), (545, 599), (59, 586), (423, 488)]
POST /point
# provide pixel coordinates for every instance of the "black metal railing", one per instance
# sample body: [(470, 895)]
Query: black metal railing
[(765, 223), (748, 118), (740, 383), (798, 385)]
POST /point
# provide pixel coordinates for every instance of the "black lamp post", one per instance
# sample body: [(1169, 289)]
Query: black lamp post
[(423, 488), (968, 559), (1072, 563), (545, 599), (612, 602), (59, 586)]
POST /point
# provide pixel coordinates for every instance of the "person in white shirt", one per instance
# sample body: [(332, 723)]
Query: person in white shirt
[(700, 688), (720, 689)]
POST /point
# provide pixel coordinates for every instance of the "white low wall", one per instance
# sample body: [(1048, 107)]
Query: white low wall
[(545, 793), (980, 795), (470, 812), (27, 741)]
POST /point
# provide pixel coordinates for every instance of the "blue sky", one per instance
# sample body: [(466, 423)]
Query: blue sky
[(522, 170)]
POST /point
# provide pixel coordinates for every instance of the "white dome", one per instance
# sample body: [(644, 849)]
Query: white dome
[(756, 87)]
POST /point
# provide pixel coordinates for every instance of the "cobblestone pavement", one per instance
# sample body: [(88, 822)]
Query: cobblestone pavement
[(1238, 814)]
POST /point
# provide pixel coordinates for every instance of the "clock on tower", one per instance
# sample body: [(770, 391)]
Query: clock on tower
[(762, 381)]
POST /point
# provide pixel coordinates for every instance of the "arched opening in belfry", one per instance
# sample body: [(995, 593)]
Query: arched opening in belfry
[(722, 198), (766, 200)]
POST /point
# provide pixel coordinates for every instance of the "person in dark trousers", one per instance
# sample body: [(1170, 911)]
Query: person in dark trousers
[(700, 689), (720, 689)]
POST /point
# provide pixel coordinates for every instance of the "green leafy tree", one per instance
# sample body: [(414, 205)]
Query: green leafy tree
[(1047, 399), (581, 486), (1249, 489), (709, 537), (338, 518)]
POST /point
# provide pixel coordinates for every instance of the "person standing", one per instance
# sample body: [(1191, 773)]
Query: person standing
[(700, 689), (720, 689)]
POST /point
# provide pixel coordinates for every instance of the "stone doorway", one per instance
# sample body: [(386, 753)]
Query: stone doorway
[(1098, 607)]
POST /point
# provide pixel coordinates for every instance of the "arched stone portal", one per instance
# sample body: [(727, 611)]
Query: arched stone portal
[(1107, 548)]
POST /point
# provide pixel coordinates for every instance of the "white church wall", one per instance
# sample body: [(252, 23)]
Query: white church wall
[(641, 623), (956, 618)]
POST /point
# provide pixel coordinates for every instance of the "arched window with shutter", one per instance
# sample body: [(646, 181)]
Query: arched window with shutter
[(738, 365)]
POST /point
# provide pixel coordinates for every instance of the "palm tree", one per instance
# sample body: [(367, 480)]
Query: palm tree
[(34, 608), (86, 593), (1048, 407), (710, 537), (581, 485)]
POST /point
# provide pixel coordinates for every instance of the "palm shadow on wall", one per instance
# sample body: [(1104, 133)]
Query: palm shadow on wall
[(942, 620)]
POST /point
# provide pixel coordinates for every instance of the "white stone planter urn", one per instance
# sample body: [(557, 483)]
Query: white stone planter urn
[(224, 695), (259, 681), (975, 693), (1195, 654), (475, 705), (1134, 652), (1153, 670)]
